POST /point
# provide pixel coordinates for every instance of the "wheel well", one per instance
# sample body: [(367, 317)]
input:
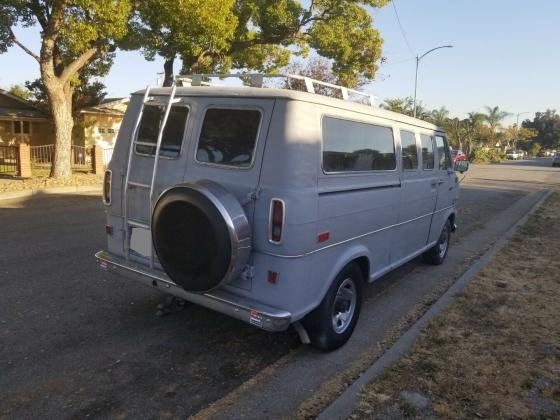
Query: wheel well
[(363, 263)]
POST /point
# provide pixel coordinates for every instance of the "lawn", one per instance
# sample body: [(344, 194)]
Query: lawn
[(495, 353)]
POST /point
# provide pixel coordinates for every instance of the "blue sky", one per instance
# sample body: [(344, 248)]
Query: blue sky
[(506, 53)]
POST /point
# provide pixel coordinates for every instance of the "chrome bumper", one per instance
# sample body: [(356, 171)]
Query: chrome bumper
[(246, 310)]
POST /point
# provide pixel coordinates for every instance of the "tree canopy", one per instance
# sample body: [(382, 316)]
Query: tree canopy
[(258, 35), (78, 38)]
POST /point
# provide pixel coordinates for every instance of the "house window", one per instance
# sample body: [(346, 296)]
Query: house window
[(22, 127), (111, 131), (101, 130)]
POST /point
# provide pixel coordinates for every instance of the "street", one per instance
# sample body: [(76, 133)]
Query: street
[(78, 342)]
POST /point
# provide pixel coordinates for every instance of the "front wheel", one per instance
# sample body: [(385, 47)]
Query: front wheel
[(436, 255), (331, 324)]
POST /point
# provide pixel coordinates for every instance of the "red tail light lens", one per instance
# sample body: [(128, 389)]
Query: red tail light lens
[(276, 220), (107, 187)]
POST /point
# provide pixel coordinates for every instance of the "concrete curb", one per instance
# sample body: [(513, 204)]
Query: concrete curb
[(342, 407), (46, 191)]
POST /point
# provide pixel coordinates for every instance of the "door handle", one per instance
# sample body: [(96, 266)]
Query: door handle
[(441, 181)]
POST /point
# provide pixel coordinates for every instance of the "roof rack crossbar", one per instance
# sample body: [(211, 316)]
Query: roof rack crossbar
[(257, 80)]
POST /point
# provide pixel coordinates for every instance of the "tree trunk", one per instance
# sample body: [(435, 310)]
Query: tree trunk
[(168, 69), (60, 98)]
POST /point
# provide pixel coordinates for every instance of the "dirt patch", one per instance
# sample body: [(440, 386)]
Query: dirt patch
[(41, 180), (495, 353)]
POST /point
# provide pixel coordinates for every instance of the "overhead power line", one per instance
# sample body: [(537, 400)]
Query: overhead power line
[(393, 2)]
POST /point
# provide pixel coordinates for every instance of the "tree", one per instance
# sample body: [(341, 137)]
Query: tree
[(76, 35), (494, 117), (258, 35), (406, 106), (439, 116), (21, 92), (547, 125)]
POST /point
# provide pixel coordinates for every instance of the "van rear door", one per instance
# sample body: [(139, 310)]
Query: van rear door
[(227, 144)]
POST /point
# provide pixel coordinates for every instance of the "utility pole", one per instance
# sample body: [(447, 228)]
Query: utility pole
[(418, 58)]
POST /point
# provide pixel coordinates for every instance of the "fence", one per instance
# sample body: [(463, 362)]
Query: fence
[(9, 160), (81, 157)]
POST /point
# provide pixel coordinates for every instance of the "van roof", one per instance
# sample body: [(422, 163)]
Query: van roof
[(253, 92)]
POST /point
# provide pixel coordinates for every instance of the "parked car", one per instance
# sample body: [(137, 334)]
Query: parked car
[(556, 160), (514, 154), (458, 155), (274, 206)]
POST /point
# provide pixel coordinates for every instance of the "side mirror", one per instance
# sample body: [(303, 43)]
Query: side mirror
[(461, 166)]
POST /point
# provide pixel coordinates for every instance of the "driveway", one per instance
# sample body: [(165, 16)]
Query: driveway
[(78, 342)]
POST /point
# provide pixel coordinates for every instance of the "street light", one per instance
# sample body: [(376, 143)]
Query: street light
[(418, 58)]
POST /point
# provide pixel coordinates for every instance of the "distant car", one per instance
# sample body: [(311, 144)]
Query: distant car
[(556, 160), (458, 155), (514, 154)]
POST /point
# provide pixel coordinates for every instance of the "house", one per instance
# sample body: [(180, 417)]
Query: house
[(99, 125), (22, 122)]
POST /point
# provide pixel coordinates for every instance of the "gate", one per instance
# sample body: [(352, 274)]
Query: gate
[(9, 160)]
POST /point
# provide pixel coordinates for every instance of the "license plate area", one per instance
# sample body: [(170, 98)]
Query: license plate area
[(141, 241)]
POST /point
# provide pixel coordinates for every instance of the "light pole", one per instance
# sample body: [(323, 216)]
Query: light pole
[(418, 58)]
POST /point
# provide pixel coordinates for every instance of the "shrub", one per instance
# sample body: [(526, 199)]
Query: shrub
[(486, 156)]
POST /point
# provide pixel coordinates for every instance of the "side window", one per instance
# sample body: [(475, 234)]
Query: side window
[(427, 151), (172, 134), (443, 153), (355, 146), (228, 137), (409, 151)]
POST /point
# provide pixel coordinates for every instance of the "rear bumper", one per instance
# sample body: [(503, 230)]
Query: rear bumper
[(246, 310)]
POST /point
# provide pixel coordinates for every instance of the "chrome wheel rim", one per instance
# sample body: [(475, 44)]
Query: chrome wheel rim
[(443, 242), (344, 306)]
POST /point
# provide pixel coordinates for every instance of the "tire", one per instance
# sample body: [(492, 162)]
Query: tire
[(344, 296), (436, 255)]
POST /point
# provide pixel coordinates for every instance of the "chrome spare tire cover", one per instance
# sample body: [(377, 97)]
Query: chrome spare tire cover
[(201, 235)]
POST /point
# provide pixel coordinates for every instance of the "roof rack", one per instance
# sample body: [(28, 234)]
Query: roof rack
[(258, 79)]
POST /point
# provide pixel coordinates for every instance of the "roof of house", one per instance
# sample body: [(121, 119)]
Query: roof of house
[(108, 106), (22, 113), (15, 107)]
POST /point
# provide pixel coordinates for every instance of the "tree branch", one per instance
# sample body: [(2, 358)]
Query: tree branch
[(23, 47), (77, 64)]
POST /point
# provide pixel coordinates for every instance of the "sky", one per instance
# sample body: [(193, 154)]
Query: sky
[(505, 53)]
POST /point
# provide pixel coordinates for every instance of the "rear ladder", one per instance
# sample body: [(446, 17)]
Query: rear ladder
[(128, 222)]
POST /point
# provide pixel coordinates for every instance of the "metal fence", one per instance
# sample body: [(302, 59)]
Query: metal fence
[(107, 155), (9, 160), (42, 155), (80, 156)]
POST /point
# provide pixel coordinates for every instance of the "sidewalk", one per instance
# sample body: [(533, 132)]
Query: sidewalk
[(495, 352)]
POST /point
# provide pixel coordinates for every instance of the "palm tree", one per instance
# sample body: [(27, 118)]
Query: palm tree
[(439, 116), (494, 117)]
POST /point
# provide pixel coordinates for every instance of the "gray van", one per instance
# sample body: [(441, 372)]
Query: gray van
[(274, 206)]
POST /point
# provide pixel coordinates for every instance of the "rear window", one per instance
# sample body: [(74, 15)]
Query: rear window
[(350, 146), (409, 151), (228, 137), (427, 151), (172, 138)]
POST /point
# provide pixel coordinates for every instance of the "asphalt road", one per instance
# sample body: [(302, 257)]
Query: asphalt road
[(76, 342)]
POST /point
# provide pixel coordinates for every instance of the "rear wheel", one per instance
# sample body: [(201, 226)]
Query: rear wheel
[(331, 324), (436, 255)]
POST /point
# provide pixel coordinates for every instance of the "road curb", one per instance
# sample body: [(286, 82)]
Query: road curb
[(342, 407), (46, 191)]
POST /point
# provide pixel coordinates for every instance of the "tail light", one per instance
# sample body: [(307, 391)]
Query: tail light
[(107, 188), (277, 217)]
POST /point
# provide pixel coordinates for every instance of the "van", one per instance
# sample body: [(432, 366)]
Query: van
[(274, 206)]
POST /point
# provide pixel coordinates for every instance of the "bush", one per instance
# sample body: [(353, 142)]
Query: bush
[(487, 156)]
